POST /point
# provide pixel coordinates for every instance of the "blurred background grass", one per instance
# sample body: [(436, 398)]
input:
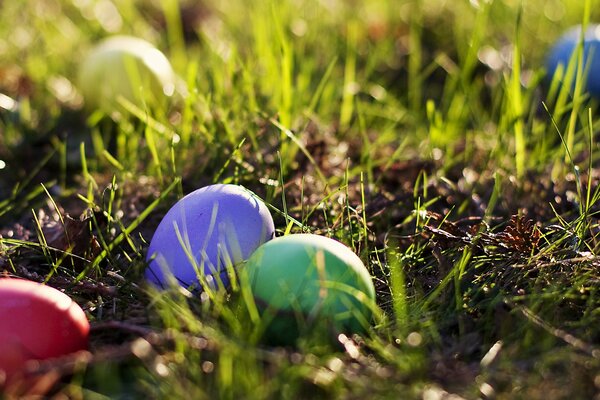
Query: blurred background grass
[(422, 75)]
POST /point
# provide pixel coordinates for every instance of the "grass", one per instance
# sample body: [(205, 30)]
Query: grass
[(424, 135)]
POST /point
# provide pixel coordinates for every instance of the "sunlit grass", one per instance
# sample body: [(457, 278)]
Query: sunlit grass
[(410, 131)]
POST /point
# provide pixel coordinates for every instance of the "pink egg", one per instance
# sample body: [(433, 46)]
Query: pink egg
[(37, 322)]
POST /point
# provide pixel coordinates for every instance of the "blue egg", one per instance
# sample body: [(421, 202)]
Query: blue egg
[(562, 51), (206, 234)]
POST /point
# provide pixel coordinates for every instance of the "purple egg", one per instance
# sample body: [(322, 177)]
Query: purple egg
[(206, 233)]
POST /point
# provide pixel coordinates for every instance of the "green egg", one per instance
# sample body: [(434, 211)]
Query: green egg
[(305, 283)]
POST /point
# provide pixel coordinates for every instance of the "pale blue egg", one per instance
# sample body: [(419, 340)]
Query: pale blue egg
[(561, 53)]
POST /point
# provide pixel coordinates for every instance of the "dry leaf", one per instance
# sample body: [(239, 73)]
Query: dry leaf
[(73, 237)]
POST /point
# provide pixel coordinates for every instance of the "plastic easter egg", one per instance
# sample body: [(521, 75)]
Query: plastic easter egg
[(561, 53), (305, 281), (37, 322), (206, 234), (129, 67)]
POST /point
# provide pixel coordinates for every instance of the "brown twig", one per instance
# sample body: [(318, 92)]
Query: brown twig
[(124, 326), (556, 332)]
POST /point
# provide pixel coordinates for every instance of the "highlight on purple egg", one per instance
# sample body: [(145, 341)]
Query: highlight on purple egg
[(205, 235)]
